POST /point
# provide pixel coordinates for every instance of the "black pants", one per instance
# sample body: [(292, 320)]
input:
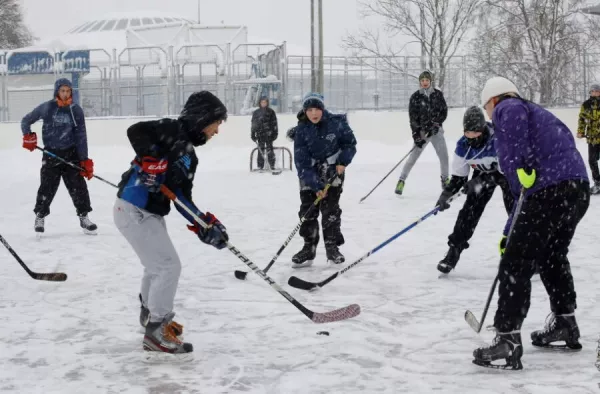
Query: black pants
[(51, 173), (593, 157), (475, 204), (265, 148), (331, 220), (541, 235)]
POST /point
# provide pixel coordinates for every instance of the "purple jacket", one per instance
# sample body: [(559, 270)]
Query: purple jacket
[(529, 136)]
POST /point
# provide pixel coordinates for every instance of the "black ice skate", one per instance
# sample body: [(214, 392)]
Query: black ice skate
[(507, 346), (159, 339), (173, 326), (449, 262), (333, 255), (595, 189), (559, 328), (305, 257), (87, 225), (39, 225)]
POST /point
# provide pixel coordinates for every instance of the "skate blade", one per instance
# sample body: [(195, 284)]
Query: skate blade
[(307, 263), (332, 262), (508, 366), (90, 232), (557, 348), (39, 235), (150, 357)]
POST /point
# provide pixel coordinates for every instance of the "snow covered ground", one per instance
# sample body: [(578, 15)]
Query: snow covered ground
[(83, 335)]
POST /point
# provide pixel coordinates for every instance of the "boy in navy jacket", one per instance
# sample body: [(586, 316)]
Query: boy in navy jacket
[(64, 134)]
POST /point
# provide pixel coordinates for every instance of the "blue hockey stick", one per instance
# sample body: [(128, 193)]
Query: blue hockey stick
[(305, 285)]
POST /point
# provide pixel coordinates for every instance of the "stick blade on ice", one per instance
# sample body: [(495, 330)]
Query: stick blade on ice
[(301, 284), (472, 321), (344, 313)]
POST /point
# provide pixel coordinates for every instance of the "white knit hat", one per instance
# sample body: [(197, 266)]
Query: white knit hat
[(497, 86)]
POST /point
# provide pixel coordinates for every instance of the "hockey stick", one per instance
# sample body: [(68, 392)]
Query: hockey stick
[(241, 275), (388, 174), (73, 165), (344, 313), (470, 318), (51, 277), (305, 285), (265, 161)]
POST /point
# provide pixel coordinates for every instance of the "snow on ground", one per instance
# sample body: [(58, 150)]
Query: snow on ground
[(83, 335)]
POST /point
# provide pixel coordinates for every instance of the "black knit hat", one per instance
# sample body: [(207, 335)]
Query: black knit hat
[(200, 110)]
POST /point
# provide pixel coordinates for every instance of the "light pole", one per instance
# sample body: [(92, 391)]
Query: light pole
[(198, 11), (316, 39)]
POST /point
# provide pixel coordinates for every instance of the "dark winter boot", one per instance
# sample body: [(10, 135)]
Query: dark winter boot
[(306, 256), (449, 262), (333, 255), (507, 346), (558, 328), (39, 224), (87, 225), (160, 338)]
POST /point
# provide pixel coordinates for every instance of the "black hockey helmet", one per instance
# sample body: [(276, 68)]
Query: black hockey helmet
[(200, 110), (474, 120)]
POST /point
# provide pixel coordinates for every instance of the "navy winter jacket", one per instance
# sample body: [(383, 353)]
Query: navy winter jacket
[(63, 127), (330, 142)]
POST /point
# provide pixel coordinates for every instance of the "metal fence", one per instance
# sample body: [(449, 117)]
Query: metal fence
[(154, 81)]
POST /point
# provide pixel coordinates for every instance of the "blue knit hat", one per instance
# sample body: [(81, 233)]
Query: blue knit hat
[(313, 100)]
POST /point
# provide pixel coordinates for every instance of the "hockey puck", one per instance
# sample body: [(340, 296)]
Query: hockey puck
[(323, 333)]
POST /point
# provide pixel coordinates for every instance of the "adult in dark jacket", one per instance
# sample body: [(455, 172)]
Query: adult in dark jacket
[(324, 146), (475, 149), (538, 156), (427, 111), (164, 154), (264, 132), (64, 134), (589, 127)]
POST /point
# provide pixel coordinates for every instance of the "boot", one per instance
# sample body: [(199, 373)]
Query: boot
[(449, 261), (159, 338), (558, 328), (506, 346), (87, 225), (305, 257), (333, 255), (596, 188), (399, 187), (39, 224), (175, 328)]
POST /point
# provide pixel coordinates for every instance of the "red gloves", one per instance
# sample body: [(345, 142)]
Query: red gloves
[(30, 141), (88, 168)]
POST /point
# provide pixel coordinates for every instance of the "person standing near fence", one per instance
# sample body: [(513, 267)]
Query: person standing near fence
[(63, 134), (264, 132), (589, 127), (427, 111)]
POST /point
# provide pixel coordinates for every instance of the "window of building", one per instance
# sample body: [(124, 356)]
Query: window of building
[(134, 22), (147, 21), (122, 25), (109, 25), (96, 26)]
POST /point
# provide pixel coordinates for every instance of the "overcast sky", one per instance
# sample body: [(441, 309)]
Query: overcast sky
[(276, 20)]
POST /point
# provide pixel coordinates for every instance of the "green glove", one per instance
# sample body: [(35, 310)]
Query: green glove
[(502, 245), (527, 180)]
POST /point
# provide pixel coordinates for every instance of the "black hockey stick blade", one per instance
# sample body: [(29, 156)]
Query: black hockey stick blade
[(50, 277), (302, 284), (472, 321)]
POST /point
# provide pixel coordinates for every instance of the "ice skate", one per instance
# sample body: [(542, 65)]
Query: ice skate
[(160, 343), (399, 187), (173, 326), (305, 257), (448, 263), (595, 189), (507, 346), (334, 256), (39, 226), (87, 225), (559, 328)]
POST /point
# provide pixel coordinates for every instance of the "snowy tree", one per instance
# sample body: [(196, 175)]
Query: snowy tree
[(538, 44), (13, 32), (439, 27)]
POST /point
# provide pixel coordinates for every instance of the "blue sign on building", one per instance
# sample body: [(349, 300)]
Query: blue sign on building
[(22, 63)]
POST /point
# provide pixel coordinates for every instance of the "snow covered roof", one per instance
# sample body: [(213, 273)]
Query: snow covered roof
[(123, 21)]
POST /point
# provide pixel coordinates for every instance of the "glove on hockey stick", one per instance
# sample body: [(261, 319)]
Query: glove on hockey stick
[(344, 313), (388, 174), (305, 285), (469, 316), (241, 275), (73, 165), (51, 277)]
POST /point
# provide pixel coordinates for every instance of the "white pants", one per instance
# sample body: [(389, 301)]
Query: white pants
[(147, 234), (439, 144)]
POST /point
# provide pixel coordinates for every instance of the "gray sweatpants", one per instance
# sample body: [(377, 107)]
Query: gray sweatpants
[(147, 234), (439, 144)]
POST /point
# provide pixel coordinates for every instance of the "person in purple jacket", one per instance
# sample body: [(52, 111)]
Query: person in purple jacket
[(63, 134), (537, 154)]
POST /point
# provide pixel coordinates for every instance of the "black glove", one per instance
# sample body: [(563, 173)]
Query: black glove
[(215, 234), (419, 142), (443, 201)]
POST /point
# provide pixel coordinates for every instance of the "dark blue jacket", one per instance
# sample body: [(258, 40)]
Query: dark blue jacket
[(330, 142), (63, 127)]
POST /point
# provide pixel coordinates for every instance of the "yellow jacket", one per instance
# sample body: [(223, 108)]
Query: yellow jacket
[(589, 120)]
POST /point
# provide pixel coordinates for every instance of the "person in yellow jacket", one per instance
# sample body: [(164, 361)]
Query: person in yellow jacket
[(589, 127)]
